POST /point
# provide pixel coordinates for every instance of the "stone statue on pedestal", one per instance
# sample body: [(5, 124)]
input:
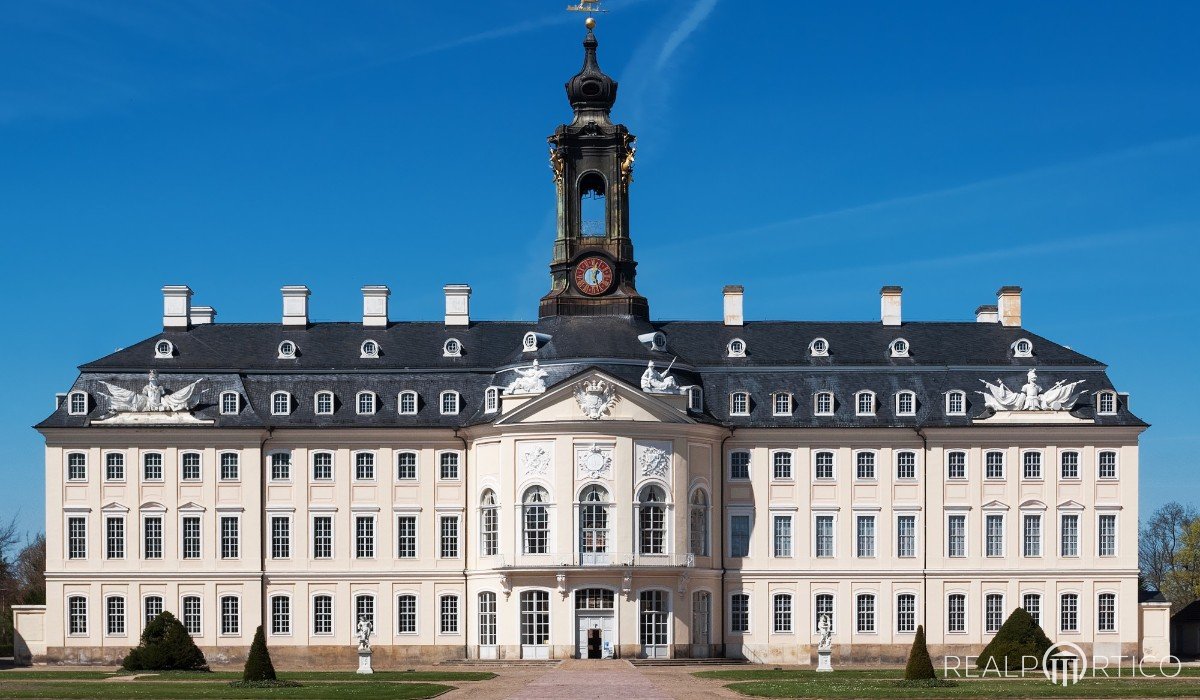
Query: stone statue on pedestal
[(824, 644), (363, 631)]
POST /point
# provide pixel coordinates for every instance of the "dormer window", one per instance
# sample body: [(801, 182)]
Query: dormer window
[(449, 402), (956, 403), (864, 403), (281, 403), (407, 403), (1022, 348), (77, 403), (323, 403), (819, 348), (906, 403), (781, 404), (695, 399), (287, 350), (823, 403), (737, 348), (1106, 403), (529, 343), (452, 348), (164, 349), (366, 403), (231, 403), (655, 341), (899, 347), (369, 349), (491, 399), (739, 403)]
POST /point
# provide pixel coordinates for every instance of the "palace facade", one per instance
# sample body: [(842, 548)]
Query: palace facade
[(594, 483)]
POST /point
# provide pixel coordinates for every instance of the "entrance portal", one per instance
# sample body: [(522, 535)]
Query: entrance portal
[(595, 641)]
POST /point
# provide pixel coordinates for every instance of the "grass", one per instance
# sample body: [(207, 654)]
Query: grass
[(369, 690), (885, 684), (324, 676)]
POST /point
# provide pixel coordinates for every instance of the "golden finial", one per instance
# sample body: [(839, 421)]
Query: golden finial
[(590, 23)]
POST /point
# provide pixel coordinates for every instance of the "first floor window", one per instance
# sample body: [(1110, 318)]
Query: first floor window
[(154, 607), (76, 466), (364, 609), (114, 538), (191, 615), (865, 531), (76, 538), (783, 535), (739, 465), (1032, 535), (406, 466), (77, 615), (322, 466), (956, 465), (281, 466), (114, 466), (739, 535), (364, 537), (1068, 612), (323, 537), (1106, 612), (993, 614), (115, 616), (1107, 536), (190, 466), (906, 465), (782, 613), (906, 612), (323, 614), (906, 536), (448, 469), (739, 613), (782, 465), (231, 617), (406, 614), (489, 526), (191, 537), (956, 613), (535, 618), (449, 533), (956, 536), (406, 537), (229, 466), (994, 526), (1069, 540), (824, 535), (229, 538), (364, 466), (1032, 463), (281, 537), (1032, 602), (449, 616), (536, 520), (281, 615), (152, 467), (864, 465), (865, 613), (152, 537), (487, 619), (823, 607)]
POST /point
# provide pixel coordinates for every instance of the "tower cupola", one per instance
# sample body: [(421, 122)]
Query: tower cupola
[(591, 92)]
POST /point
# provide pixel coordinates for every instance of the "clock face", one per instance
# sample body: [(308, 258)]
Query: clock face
[(593, 276)]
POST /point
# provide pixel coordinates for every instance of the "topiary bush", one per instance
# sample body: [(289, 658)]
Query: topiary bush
[(919, 666), (1018, 638), (165, 646), (258, 664)]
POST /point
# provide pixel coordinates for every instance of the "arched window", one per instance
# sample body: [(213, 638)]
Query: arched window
[(364, 609), (163, 348), (489, 525), (77, 404), (114, 616), (652, 521), (535, 619), (823, 403), (449, 403), (593, 205), (231, 403), (77, 615), (781, 613), (369, 349), (281, 614), (698, 524), (535, 520), (739, 403), (152, 607), (593, 524), (191, 615)]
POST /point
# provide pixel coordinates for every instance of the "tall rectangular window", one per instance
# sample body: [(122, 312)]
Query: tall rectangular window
[(739, 536), (782, 465), (782, 613), (406, 466), (823, 607), (190, 535), (76, 537), (906, 613), (864, 463), (449, 614), (191, 615), (77, 615), (906, 536), (281, 537), (323, 537), (152, 467), (995, 465), (864, 609), (449, 536), (230, 466), (1032, 602), (1031, 535), (406, 537), (739, 613), (1107, 536), (1068, 612), (994, 534), (322, 466), (824, 535), (739, 465), (76, 466), (189, 466), (230, 538), (906, 465), (153, 607), (448, 466), (956, 465), (406, 614), (364, 537), (364, 466), (956, 613), (1069, 540), (114, 538), (956, 536), (364, 608), (1032, 465), (823, 465), (993, 613), (281, 615), (323, 614), (1069, 465), (281, 466), (1106, 465), (114, 466), (152, 537), (865, 536), (231, 615), (115, 616), (1106, 612), (783, 535)]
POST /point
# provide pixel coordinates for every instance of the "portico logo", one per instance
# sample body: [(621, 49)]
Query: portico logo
[(1064, 664)]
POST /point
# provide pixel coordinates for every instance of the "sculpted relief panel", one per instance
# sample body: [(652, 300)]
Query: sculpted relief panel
[(653, 460)]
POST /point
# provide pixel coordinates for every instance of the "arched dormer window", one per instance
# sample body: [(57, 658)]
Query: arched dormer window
[(1022, 348), (452, 348), (164, 349), (366, 403), (535, 520), (737, 348), (1106, 403), (652, 520), (899, 348), (956, 403), (819, 347), (231, 403), (593, 205), (323, 402), (906, 403), (450, 403), (77, 403), (287, 350), (864, 403), (823, 404), (739, 403), (369, 349), (281, 403), (407, 403)]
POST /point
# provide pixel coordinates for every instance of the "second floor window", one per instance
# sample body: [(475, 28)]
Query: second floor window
[(114, 538), (652, 521), (906, 465), (364, 537), (536, 520), (956, 465), (994, 465), (229, 538), (152, 467), (782, 535), (739, 465), (782, 465), (281, 466), (449, 537), (229, 466), (1031, 535), (865, 536), (1070, 465), (406, 537), (448, 467), (1107, 535), (1069, 540), (323, 537), (1106, 465), (364, 466), (739, 536), (906, 536), (190, 528), (994, 525), (1032, 465), (281, 537), (823, 532), (823, 467), (406, 466), (190, 466), (864, 465), (152, 537), (114, 466), (956, 536)]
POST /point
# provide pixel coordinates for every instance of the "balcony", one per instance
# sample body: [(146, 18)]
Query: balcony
[(587, 560)]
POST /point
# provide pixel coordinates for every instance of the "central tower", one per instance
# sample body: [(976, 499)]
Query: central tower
[(592, 270)]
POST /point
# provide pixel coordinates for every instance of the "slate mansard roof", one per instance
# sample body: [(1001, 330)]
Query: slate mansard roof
[(945, 356)]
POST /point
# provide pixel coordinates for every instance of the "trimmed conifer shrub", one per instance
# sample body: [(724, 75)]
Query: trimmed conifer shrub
[(165, 646), (1016, 641), (919, 666), (258, 664)]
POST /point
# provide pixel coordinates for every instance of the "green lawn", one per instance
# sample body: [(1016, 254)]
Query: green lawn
[(881, 684), (323, 676), (371, 690)]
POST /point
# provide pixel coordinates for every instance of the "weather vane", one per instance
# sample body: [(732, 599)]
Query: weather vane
[(588, 6)]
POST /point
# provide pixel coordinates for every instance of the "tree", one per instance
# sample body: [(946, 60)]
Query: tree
[(1166, 565), (1019, 637), (30, 572), (9, 589), (165, 646), (258, 664), (919, 666)]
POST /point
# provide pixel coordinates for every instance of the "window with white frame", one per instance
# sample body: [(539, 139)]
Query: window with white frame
[(956, 403), (407, 403), (489, 524), (739, 535), (864, 536), (152, 466), (993, 612), (1106, 612), (1068, 612), (993, 524), (322, 622), (1032, 603), (698, 523), (781, 403), (191, 615), (1106, 464), (535, 520), (231, 615), (369, 349), (281, 614), (739, 404), (406, 466), (231, 403), (189, 466), (864, 465), (281, 537), (77, 404), (281, 466), (364, 466), (114, 466), (823, 465), (449, 614), (287, 350), (406, 614), (322, 466), (899, 348), (695, 399), (406, 537), (1031, 534), (189, 530), (366, 403), (1106, 535), (114, 616), (956, 613), (77, 615), (230, 537), (491, 400), (230, 466), (906, 465), (488, 633), (593, 520), (448, 466), (823, 607), (906, 536), (864, 403), (1106, 403), (906, 613), (652, 520), (823, 403), (736, 348), (739, 613), (1068, 535), (76, 537), (114, 537), (449, 403), (448, 528), (1022, 348), (152, 537), (281, 403), (823, 536), (819, 347), (1068, 465), (782, 535), (781, 613), (994, 465), (739, 465), (864, 613), (364, 609), (956, 536), (1031, 464), (322, 537), (153, 607), (452, 348), (906, 403), (956, 465), (364, 537), (76, 466), (323, 403), (781, 465), (535, 618)]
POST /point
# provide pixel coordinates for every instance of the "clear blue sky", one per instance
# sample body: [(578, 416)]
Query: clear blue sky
[(811, 152)]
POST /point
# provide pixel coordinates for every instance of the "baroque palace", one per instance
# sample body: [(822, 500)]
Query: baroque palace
[(592, 484)]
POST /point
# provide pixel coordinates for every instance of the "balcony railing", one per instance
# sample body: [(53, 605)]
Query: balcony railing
[(587, 559)]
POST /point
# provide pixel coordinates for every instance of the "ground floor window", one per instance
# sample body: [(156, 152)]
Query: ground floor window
[(154, 607), (487, 619), (191, 615), (701, 617), (230, 615), (739, 613), (115, 616), (653, 618), (77, 615), (906, 612), (406, 614), (323, 614), (535, 618), (281, 615), (449, 621)]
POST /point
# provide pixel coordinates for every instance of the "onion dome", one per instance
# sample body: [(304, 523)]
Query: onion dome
[(590, 89)]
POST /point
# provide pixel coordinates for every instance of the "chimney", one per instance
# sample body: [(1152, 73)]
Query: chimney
[(734, 294), (458, 304), (889, 305), (295, 305), (177, 306), (1009, 306), (988, 313), (202, 315), (375, 305)]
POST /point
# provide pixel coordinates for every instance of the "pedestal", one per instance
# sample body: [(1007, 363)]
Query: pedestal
[(823, 662), (364, 661)]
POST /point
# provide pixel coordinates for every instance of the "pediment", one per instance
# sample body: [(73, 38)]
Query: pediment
[(558, 404), (115, 508), (191, 507), (995, 505), (1070, 505), (152, 507), (1033, 504)]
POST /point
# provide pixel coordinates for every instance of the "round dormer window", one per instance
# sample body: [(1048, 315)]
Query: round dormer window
[(530, 342), (819, 347), (164, 348), (737, 348), (899, 347), (659, 342), (1022, 348), (452, 348), (287, 350), (370, 348)]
